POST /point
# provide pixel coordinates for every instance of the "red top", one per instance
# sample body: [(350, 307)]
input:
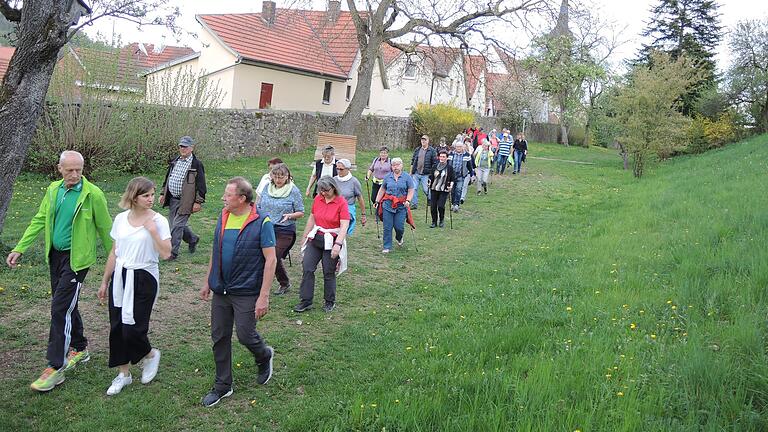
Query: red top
[(330, 215)]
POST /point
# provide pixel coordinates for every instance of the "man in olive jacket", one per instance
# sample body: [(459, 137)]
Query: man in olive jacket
[(184, 192), (72, 213)]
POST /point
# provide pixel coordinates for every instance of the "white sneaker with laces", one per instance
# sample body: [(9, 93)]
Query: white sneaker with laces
[(150, 367), (118, 383)]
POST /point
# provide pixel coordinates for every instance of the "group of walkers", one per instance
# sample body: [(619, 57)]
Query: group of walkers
[(254, 234)]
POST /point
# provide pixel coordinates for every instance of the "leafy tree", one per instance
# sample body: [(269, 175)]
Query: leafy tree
[(44, 27), (688, 28), (748, 74), (564, 61), (644, 112)]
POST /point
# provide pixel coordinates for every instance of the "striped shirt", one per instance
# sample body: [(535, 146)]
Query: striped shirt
[(176, 178), (504, 148)]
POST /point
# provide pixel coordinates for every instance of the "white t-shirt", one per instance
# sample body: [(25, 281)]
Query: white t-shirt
[(134, 245), (262, 184)]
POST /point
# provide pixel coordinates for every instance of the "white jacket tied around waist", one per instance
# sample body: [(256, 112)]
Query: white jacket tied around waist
[(328, 244), (122, 294)]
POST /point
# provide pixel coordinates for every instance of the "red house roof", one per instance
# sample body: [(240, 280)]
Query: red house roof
[(303, 40), (5, 57), (474, 66)]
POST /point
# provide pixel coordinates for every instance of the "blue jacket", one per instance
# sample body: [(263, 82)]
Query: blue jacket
[(248, 261)]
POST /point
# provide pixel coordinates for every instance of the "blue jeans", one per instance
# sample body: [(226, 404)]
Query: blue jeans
[(458, 185), (352, 218), (423, 180), (518, 156), (501, 164), (396, 219)]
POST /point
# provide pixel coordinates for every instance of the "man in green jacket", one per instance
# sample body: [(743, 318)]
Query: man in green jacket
[(73, 212)]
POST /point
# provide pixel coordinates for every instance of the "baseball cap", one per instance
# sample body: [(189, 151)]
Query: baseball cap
[(186, 141)]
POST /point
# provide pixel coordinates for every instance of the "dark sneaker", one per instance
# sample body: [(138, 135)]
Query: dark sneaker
[(433, 225), (193, 245), (478, 192), (173, 257), (442, 224), (461, 201), (213, 397), (283, 289), (329, 306), (303, 306), (265, 368)]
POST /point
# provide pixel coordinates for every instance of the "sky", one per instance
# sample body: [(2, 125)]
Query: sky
[(629, 15)]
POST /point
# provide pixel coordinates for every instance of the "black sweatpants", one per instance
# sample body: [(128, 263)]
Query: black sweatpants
[(438, 205), (240, 310), (66, 324), (130, 343)]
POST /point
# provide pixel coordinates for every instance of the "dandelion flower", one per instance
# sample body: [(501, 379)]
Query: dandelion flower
[(397, 400), (568, 308), (620, 394), (633, 326), (653, 336)]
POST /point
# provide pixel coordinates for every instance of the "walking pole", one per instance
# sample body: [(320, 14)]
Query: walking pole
[(368, 191), (413, 233), (376, 216), (450, 216), (426, 210)]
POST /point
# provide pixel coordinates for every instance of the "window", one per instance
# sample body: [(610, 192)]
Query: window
[(349, 92), (327, 93), (410, 70)]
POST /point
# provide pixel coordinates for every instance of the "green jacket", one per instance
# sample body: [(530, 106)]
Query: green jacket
[(91, 217)]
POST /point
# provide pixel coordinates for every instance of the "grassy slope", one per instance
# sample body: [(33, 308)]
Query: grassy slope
[(572, 298)]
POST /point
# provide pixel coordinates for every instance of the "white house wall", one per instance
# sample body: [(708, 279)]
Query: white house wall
[(290, 91)]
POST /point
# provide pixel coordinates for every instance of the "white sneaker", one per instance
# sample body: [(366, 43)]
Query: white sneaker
[(150, 367), (118, 383)]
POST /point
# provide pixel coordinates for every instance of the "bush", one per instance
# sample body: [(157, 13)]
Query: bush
[(119, 130), (705, 134), (441, 120)]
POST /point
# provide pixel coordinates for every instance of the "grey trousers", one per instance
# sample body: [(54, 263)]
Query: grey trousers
[(313, 255), (226, 310), (178, 224)]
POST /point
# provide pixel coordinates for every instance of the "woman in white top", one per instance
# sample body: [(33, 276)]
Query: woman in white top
[(140, 236)]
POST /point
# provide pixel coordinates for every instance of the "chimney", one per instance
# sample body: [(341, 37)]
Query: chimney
[(268, 11), (334, 10)]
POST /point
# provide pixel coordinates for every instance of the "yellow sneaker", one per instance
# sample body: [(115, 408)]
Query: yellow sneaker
[(75, 357), (49, 379)]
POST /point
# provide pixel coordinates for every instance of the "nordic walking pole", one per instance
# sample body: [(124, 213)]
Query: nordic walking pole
[(376, 217), (368, 191), (413, 233)]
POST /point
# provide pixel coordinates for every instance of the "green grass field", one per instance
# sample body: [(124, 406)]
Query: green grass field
[(572, 298)]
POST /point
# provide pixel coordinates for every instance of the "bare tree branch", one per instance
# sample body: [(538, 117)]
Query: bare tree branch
[(10, 13)]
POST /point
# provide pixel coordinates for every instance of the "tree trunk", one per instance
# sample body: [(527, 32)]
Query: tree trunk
[(588, 131), (352, 115), (762, 121), (43, 31), (563, 120)]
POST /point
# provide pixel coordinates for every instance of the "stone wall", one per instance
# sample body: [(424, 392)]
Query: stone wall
[(247, 133), (534, 132)]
